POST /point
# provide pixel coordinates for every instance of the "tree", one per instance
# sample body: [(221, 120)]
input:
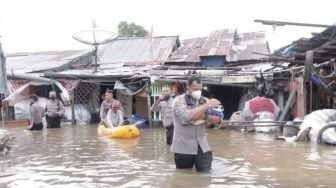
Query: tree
[(131, 30)]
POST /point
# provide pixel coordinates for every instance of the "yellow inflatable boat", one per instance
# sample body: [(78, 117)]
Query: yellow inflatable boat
[(125, 131)]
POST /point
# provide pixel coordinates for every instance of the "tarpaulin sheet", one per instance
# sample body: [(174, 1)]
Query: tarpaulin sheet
[(129, 88), (260, 104)]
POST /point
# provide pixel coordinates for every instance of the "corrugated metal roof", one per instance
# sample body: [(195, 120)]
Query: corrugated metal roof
[(137, 51), (246, 44), (188, 51), (25, 62), (126, 71), (322, 43), (229, 43), (168, 72), (204, 73)]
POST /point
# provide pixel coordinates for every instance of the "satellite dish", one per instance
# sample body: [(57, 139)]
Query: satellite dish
[(95, 37)]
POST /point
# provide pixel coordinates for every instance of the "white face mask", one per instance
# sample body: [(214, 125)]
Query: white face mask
[(196, 94)]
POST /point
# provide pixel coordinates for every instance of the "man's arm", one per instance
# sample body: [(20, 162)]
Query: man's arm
[(101, 112), (61, 108), (156, 106), (32, 115), (198, 113), (181, 110), (121, 118)]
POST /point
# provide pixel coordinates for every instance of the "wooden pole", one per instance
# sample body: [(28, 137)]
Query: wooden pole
[(307, 81), (311, 96), (308, 66), (73, 117), (288, 105), (2, 112), (281, 99), (2, 117), (150, 120), (6, 106), (280, 23)]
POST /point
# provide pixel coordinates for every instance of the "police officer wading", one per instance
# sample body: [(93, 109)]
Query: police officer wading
[(164, 104), (55, 111), (36, 114), (190, 145)]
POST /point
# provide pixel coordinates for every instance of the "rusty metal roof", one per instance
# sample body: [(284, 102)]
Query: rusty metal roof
[(137, 51), (25, 62), (215, 75), (188, 51), (323, 44), (115, 72), (229, 43), (246, 45)]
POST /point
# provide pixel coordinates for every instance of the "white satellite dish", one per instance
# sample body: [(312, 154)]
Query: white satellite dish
[(95, 37)]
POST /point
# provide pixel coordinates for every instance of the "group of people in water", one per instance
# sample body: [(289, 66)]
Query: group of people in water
[(111, 111), (184, 118), (53, 112)]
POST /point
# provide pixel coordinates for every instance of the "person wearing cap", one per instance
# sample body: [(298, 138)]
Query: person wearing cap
[(55, 111), (115, 116), (36, 114), (106, 105)]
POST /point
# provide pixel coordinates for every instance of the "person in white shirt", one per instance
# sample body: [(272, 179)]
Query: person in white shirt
[(115, 116)]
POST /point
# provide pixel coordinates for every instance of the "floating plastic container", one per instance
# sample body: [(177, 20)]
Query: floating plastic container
[(135, 118)]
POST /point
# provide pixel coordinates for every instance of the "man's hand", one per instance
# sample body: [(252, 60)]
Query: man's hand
[(30, 126), (214, 119), (161, 98), (103, 122), (213, 103)]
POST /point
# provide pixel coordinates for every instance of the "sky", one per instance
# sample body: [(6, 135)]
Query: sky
[(43, 25)]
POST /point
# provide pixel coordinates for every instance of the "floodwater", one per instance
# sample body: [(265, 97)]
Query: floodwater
[(74, 156)]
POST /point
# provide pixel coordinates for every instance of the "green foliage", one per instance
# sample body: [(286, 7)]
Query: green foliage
[(131, 30)]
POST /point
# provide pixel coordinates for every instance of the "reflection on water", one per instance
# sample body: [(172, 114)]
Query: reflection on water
[(76, 157)]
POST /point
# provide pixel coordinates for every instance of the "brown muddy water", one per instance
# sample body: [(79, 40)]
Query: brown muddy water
[(74, 156)]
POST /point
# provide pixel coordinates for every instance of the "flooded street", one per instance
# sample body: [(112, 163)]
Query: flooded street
[(76, 157)]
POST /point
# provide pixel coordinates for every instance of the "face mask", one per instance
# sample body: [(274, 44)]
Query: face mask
[(53, 97), (196, 94)]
